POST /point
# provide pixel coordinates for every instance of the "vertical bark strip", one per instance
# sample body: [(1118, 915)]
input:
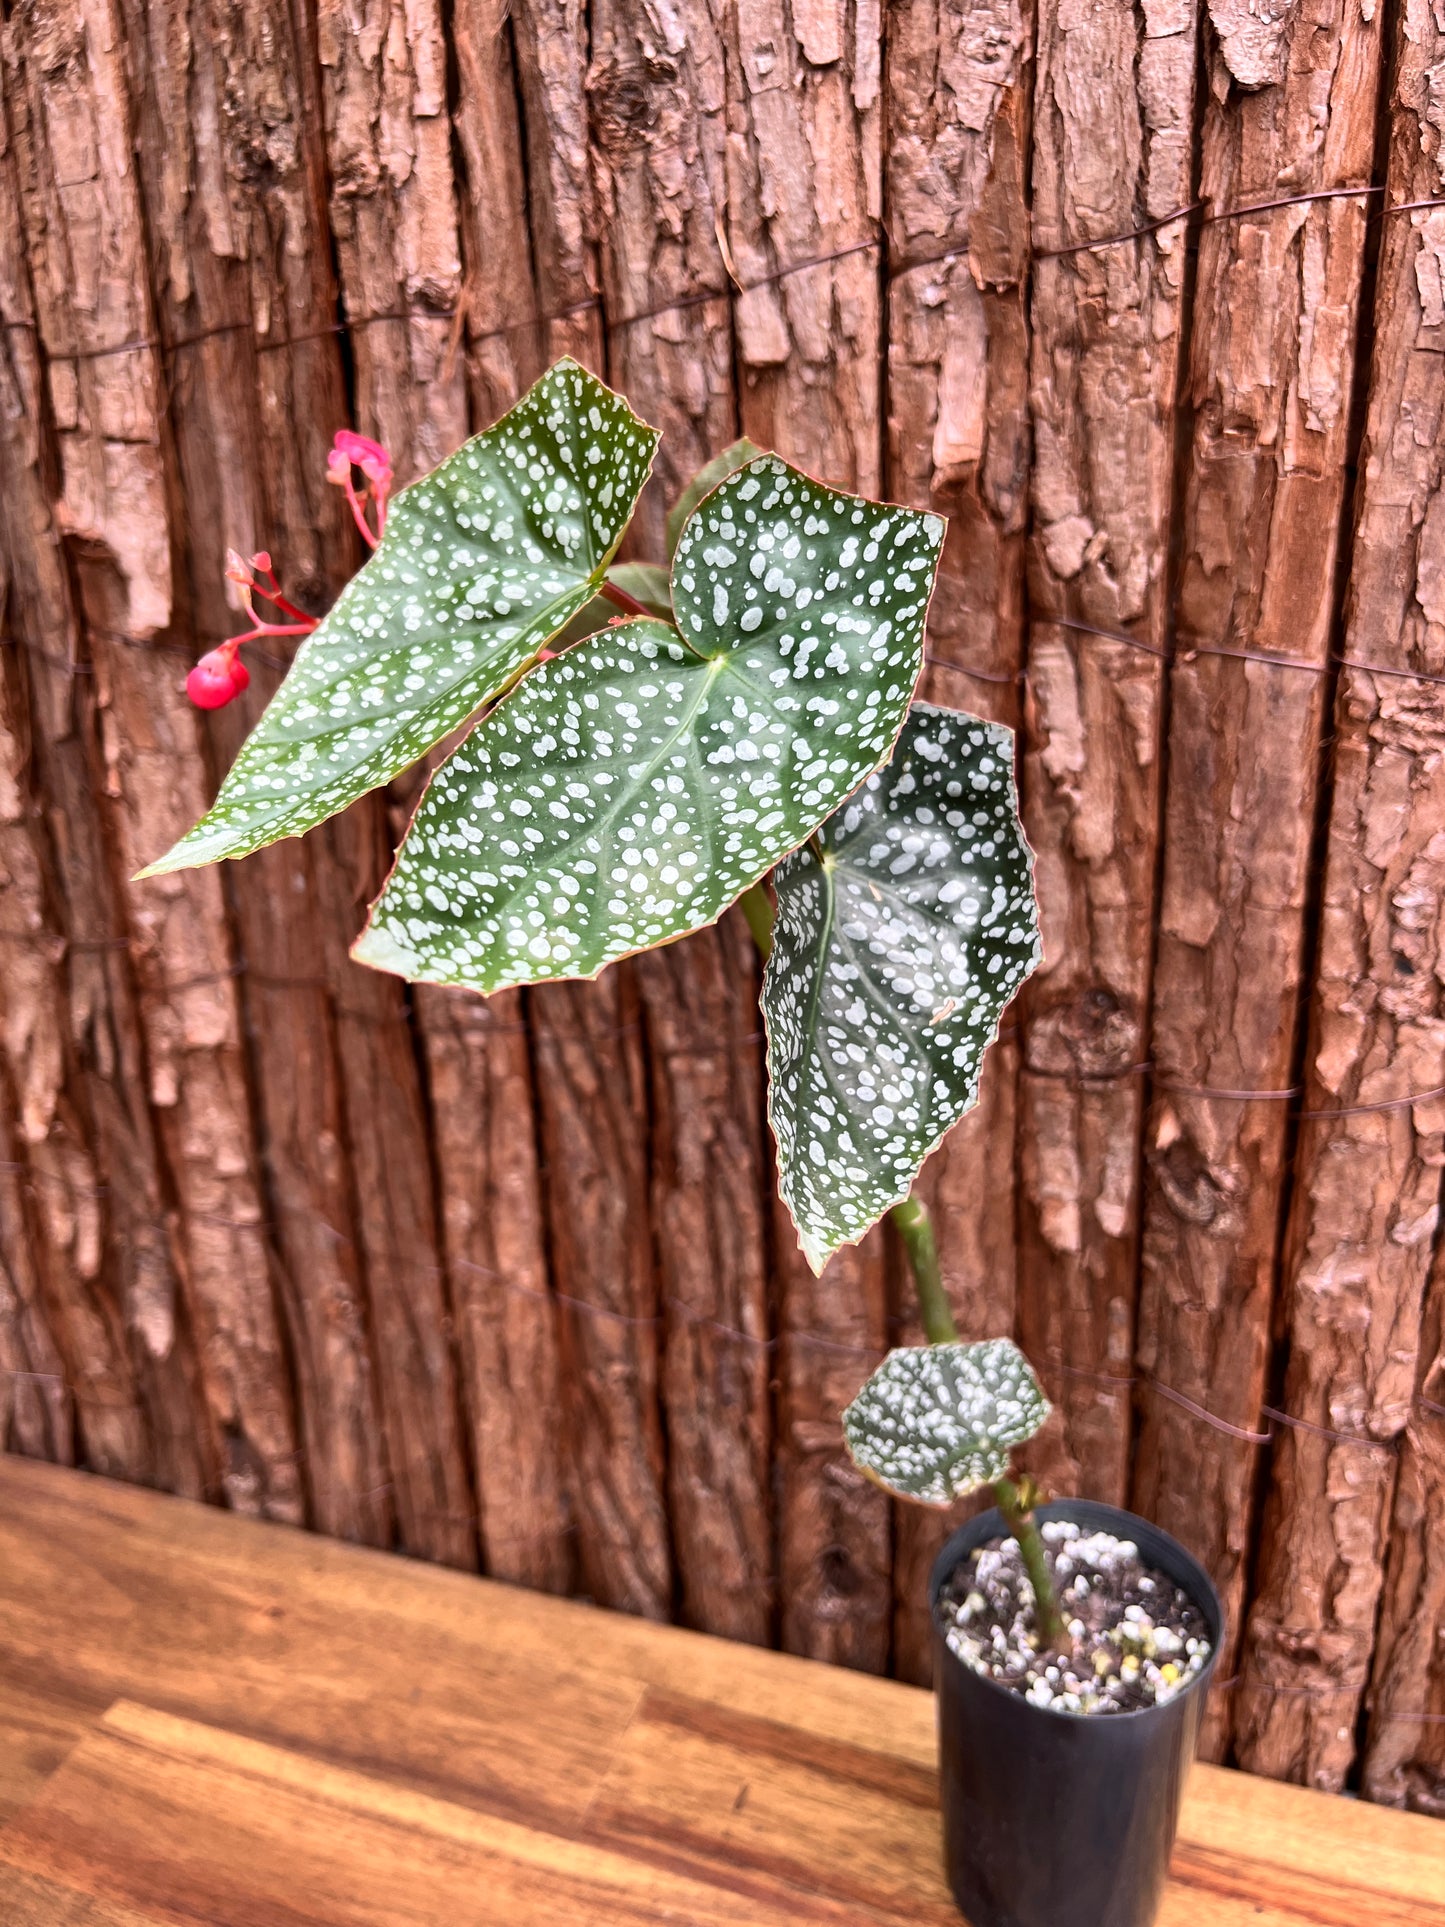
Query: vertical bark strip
[(394, 221), (656, 94), (1276, 300), (1112, 116), (592, 1097), (587, 1037), (1405, 1740), (657, 104), (504, 337), (480, 1087), (550, 39), (1366, 1185), (84, 229), (957, 92), (37, 1407), (208, 93), (803, 179), (89, 1208), (705, 1051)]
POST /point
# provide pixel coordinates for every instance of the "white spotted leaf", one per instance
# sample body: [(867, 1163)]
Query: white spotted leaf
[(937, 1421), (892, 959), (482, 562), (628, 790)]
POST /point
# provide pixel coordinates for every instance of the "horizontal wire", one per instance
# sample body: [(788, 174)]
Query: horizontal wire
[(1385, 1104), (701, 296)]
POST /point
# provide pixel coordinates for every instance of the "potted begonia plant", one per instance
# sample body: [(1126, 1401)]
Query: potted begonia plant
[(648, 745)]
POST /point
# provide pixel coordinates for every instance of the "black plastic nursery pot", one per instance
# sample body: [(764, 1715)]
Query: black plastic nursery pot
[(1063, 1819)]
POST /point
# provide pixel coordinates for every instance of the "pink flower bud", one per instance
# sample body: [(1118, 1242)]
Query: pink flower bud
[(217, 679), (369, 456)]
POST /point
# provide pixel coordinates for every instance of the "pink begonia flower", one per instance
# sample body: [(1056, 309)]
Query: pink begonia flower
[(370, 457)]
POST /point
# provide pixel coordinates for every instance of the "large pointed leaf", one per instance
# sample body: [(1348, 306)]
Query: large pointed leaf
[(628, 790), (892, 959), (482, 561), (937, 1421), (703, 483)]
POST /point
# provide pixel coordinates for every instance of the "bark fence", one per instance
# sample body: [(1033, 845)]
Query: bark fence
[(1150, 303)]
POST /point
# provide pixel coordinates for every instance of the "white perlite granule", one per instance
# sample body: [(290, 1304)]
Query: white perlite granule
[(1136, 1638)]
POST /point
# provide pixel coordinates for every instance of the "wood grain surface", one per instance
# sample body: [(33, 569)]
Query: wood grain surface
[(206, 1718)]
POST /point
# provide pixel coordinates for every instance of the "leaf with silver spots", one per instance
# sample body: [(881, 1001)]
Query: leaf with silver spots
[(892, 960), (482, 562), (628, 790), (937, 1421)]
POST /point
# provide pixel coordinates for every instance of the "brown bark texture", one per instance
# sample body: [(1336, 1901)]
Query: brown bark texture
[(1275, 320), (1367, 1174), (506, 1282), (67, 99), (1113, 105), (958, 97)]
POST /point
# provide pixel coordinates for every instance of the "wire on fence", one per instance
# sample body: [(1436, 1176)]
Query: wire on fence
[(700, 297)]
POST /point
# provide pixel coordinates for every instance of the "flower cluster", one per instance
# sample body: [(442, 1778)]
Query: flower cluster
[(220, 675), (350, 451)]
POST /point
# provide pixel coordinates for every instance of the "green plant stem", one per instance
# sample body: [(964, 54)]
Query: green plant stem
[(1020, 1522), (915, 1227), (757, 907)]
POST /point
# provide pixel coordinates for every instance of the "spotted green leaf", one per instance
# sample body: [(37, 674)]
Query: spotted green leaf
[(936, 1421), (482, 562), (629, 789), (892, 959), (703, 483)]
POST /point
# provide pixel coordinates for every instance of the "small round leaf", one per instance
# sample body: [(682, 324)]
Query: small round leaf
[(937, 1421)]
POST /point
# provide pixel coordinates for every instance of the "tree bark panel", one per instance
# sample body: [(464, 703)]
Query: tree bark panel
[(1365, 1197), (1404, 1764), (479, 1080), (591, 1081), (957, 87), (85, 239), (505, 351), (550, 42), (705, 1051), (211, 223), (803, 181), (1276, 299), (1113, 108), (658, 140)]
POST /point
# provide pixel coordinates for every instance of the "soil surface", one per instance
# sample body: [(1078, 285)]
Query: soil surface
[(1136, 1639)]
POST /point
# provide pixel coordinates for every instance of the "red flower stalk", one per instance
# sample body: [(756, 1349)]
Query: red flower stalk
[(220, 675), (349, 451)]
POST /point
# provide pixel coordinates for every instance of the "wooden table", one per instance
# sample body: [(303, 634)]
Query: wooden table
[(208, 1720)]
